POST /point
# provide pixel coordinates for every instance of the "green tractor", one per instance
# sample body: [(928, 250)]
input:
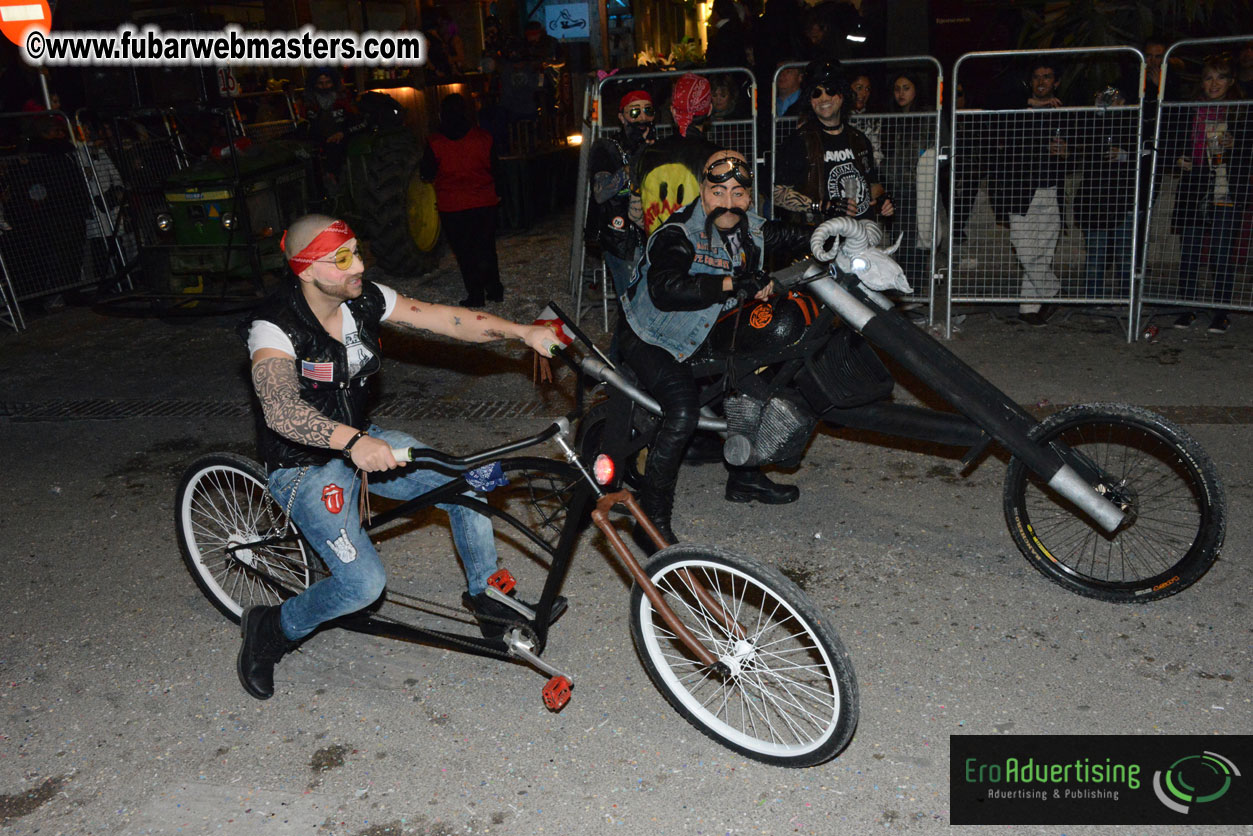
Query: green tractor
[(211, 244)]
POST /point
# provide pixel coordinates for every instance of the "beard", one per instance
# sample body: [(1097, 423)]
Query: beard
[(740, 215), (343, 291), (635, 134)]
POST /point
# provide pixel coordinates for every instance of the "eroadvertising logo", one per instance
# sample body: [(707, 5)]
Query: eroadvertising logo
[(1110, 779), (1210, 772)]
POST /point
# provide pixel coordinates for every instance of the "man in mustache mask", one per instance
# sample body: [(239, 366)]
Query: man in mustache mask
[(706, 258), (616, 218)]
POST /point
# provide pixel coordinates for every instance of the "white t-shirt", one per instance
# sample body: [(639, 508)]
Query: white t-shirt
[(265, 334)]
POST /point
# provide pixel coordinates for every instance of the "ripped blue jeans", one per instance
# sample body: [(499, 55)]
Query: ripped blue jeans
[(326, 511)]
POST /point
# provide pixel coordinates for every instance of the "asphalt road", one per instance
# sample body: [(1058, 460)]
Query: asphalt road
[(120, 712)]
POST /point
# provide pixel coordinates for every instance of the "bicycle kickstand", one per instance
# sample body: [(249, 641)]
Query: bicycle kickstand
[(557, 690)]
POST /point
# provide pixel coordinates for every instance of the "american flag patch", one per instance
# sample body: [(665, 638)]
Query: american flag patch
[(317, 371)]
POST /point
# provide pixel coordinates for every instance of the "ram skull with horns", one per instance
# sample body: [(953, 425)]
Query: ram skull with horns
[(856, 250)]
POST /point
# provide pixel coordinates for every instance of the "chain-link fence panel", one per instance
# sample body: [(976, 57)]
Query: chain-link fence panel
[(895, 104), (1045, 181), (1200, 216), (46, 199), (733, 125), (146, 150)]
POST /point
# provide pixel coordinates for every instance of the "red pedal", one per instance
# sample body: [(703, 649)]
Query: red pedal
[(557, 693), (502, 580)]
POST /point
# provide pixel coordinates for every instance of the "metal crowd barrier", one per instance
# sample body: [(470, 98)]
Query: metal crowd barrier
[(265, 115), (906, 150), (54, 237), (1200, 215), (738, 131), (1044, 199)]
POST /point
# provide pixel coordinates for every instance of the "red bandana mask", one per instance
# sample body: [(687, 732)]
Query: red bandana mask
[(326, 242), (692, 98)]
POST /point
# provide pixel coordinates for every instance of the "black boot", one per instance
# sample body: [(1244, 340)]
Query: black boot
[(657, 496), (748, 484), (264, 644), (645, 543)]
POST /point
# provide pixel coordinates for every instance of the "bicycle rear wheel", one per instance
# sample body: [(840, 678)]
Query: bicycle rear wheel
[(1159, 475), (783, 691), (222, 502)]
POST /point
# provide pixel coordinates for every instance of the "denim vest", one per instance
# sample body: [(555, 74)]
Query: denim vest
[(682, 332)]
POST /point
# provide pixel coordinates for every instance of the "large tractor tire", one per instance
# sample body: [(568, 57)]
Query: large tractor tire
[(397, 209)]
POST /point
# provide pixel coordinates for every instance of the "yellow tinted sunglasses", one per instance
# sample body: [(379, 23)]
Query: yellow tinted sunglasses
[(343, 258)]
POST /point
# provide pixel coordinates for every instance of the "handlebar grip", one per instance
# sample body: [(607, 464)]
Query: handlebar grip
[(403, 454)]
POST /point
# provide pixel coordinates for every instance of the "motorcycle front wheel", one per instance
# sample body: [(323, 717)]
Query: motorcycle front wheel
[(1161, 477)]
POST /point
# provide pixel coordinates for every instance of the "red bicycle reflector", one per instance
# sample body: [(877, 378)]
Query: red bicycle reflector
[(502, 580), (557, 693), (603, 469)]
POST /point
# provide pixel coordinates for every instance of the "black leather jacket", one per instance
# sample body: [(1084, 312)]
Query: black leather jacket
[(343, 398), (674, 288)]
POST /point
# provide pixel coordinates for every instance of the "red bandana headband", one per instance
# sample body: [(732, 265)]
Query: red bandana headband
[(326, 242), (633, 97)]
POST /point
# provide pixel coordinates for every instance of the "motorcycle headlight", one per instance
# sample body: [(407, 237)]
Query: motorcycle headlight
[(228, 220), (165, 222)]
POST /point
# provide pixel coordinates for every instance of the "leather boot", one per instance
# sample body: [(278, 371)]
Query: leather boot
[(264, 644), (657, 493), (658, 510), (748, 484)]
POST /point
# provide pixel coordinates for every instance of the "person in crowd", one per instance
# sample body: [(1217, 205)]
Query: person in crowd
[(776, 37), (969, 168), (616, 211), (707, 257), (313, 346), (669, 172), (905, 138), (787, 89), (827, 167), (1244, 67), (816, 43), (1106, 194), (1214, 158), (108, 191), (858, 113), (333, 118), (728, 37), (460, 160), (1027, 190), (727, 99)]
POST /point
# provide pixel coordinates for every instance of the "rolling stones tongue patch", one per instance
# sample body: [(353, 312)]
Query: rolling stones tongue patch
[(333, 498)]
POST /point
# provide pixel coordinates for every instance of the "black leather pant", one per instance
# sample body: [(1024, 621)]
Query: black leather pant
[(671, 383)]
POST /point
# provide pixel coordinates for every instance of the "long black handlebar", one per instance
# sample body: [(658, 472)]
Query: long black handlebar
[(429, 455)]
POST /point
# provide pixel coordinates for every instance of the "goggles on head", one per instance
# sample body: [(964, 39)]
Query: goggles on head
[(635, 111), (726, 168)]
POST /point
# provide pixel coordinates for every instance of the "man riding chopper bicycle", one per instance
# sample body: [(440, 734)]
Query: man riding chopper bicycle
[(696, 270)]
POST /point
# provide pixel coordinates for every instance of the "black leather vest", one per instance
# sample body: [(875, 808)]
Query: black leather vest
[(342, 398)]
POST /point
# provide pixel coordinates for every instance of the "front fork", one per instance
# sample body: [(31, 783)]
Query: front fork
[(711, 604)]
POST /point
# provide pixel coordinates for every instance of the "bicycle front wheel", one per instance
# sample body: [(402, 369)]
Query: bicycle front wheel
[(1158, 474), (783, 690), (222, 503)]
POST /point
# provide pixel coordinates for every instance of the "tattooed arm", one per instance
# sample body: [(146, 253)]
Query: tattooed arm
[(468, 326), (274, 379), (606, 184), (786, 197)]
